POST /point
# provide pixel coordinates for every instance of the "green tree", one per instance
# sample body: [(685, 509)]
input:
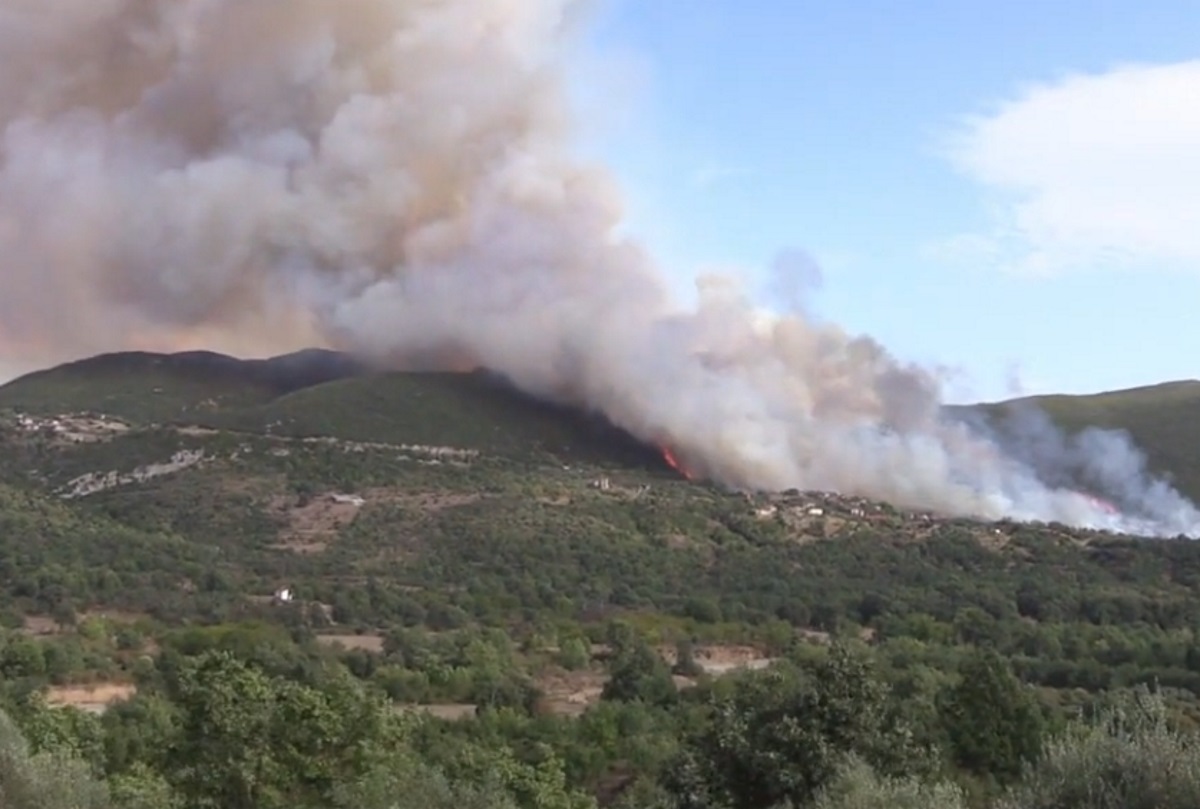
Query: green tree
[(44, 780), (404, 782), (21, 656), (783, 734), (249, 741), (67, 731), (574, 654), (1131, 758), (685, 660), (992, 720), (143, 788), (637, 672), (141, 730), (224, 756), (483, 778), (858, 786)]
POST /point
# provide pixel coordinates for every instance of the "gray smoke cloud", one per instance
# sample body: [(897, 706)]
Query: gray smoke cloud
[(395, 177), (794, 277), (1102, 461)]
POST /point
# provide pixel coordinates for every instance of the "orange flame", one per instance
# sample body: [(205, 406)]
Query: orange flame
[(674, 463)]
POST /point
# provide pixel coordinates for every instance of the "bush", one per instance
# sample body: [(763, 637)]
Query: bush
[(857, 786), (1131, 758), (43, 780), (992, 721)]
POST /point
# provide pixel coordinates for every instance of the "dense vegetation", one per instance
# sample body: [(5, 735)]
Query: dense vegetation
[(465, 599)]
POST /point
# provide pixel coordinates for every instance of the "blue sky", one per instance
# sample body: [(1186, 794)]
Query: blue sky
[(1006, 190)]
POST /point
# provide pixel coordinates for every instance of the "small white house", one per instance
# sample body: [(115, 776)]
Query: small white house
[(816, 512), (283, 595)]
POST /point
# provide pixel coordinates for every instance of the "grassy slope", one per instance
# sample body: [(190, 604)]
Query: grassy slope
[(1163, 420)]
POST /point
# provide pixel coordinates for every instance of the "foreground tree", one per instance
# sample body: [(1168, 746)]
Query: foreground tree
[(782, 735), (45, 780), (1131, 758), (250, 741), (992, 720), (637, 672)]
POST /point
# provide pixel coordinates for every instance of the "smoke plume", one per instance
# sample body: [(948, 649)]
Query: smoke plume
[(394, 177)]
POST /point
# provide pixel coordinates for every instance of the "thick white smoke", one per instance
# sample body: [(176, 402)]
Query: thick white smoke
[(395, 177)]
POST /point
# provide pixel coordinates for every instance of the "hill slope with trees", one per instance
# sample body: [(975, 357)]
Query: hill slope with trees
[(231, 585)]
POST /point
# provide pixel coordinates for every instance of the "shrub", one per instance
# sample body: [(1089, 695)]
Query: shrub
[(857, 786), (43, 780), (1131, 758)]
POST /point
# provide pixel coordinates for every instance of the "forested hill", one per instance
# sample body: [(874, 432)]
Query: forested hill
[(321, 392)]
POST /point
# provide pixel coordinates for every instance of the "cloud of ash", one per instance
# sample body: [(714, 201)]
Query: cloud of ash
[(394, 177)]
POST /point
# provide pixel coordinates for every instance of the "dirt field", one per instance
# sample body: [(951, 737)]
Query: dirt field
[(451, 712), (91, 698), (717, 660), (570, 693), (40, 625), (312, 527)]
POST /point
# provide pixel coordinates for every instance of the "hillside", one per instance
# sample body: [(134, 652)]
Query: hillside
[(320, 393), (324, 393), (471, 411), (439, 560), (1163, 421), (145, 387)]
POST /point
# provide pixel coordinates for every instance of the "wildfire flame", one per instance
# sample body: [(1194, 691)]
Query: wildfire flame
[(674, 463), (1103, 505)]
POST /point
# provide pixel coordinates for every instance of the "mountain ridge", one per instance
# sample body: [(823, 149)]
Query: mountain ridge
[(314, 391)]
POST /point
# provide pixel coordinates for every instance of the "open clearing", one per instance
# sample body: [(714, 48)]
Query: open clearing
[(91, 698)]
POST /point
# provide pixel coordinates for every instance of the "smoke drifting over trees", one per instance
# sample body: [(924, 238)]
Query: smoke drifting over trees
[(394, 177)]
